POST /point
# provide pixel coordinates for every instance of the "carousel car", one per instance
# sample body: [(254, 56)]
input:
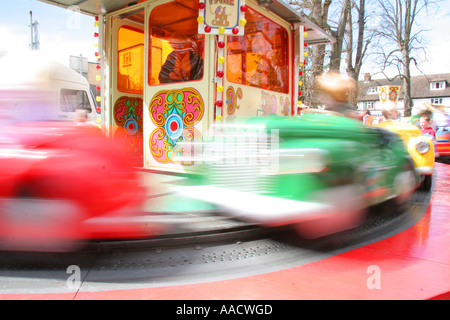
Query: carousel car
[(62, 182), (318, 172), (443, 142), (442, 138), (421, 148)]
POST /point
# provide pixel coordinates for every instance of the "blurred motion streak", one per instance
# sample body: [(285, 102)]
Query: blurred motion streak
[(318, 172), (60, 181), (242, 164)]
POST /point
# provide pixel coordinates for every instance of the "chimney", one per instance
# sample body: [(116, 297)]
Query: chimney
[(366, 77)]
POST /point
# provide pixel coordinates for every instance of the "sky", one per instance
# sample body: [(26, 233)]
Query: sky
[(64, 33), (436, 35)]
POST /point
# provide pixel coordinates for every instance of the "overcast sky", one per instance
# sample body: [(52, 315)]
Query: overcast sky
[(64, 33)]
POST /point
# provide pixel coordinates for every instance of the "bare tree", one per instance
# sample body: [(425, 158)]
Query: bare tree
[(362, 40), (339, 34), (319, 15), (339, 23), (362, 36), (401, 40), (317, 11)]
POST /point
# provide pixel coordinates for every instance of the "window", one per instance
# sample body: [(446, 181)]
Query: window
[(368, 105), (372, 90), (260, 57), (437, 85), (436, 100), (130, 75), (176, 49), (72, 100)]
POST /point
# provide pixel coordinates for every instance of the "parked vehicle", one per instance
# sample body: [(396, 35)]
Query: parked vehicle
[(28, 79)]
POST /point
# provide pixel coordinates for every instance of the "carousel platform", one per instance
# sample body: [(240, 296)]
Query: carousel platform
[(410, 261)]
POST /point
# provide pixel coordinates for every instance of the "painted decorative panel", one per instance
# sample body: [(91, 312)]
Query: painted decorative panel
[(175, 114), (129, 120)]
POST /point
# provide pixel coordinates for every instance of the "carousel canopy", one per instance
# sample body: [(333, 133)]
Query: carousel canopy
[(100, 7)]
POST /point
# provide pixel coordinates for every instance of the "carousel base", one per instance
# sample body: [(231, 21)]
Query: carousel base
[(411, 262)]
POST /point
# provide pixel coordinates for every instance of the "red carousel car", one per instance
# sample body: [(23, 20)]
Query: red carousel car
[(60, 181)]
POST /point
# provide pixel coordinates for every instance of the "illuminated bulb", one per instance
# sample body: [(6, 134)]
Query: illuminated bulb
[(200, 19), (243, 22), (221, 30), (221, 59), (300, 83), (305, 54), (305, 34), (219, 88)]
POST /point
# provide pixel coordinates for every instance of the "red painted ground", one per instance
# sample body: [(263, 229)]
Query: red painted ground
[(414, 264)]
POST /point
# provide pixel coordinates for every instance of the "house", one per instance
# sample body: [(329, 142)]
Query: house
[(427, 88)]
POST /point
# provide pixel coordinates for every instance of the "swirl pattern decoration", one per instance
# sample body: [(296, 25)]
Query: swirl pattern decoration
[(128, 115), (174, 113), (232, 99)]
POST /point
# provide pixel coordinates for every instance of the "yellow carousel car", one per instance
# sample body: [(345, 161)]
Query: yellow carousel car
[(420, 148)]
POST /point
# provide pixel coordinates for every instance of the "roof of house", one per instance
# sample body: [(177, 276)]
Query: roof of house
[(420, 87)]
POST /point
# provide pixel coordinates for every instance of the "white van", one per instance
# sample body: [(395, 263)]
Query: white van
[(73, 93), (32, 88)]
